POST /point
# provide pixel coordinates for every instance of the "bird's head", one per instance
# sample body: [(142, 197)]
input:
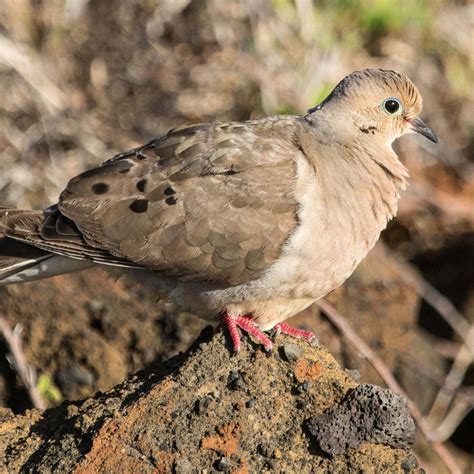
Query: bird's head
[(376, 102)]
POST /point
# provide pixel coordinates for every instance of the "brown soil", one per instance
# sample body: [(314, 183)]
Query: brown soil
[(204, 410), (88, 331)]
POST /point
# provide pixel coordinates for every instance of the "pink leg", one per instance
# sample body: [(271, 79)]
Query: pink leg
[(246, 324), (295, 332)]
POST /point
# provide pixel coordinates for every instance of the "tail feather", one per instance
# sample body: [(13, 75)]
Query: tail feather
[(52, 232), (21, 262), (10, 266)]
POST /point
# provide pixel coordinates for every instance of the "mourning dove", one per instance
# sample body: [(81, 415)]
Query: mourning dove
[(248, 221)]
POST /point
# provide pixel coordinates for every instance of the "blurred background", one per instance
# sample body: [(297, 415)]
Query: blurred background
[(82, 80)]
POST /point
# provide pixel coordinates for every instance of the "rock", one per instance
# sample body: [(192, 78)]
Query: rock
[(307, 370), (366, 414), (167, 418), (236, 382), (292, 352), (204, 405), (409, 463), (74, 375), (183, 466), (224, 464), (251, 403)]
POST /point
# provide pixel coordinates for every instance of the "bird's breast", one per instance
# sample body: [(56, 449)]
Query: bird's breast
[(340, 220)]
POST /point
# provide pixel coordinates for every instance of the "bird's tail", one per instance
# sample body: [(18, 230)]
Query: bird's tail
[(21, 262)]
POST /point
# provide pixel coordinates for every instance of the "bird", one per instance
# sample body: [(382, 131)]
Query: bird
[(246, 223)]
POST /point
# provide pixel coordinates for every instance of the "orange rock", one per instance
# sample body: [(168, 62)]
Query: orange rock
[(226, 442), (307, 370)]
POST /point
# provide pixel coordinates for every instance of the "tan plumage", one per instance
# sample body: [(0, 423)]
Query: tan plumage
[(255, 218)]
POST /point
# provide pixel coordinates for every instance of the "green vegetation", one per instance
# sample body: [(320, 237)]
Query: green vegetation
[(48, 389)]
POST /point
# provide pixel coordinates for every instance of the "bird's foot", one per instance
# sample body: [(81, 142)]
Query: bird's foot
[(295, 332), (247, 324)]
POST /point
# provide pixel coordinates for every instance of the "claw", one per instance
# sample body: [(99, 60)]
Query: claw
[(295, 332), (248, 325)]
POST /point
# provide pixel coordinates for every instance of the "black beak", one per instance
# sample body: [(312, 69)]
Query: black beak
[(420, 127)]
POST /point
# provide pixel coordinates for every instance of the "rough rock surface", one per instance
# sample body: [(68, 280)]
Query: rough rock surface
[(366, 414), (202, 410)]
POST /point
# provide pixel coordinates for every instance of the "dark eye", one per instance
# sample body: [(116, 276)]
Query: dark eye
[(392, 106)]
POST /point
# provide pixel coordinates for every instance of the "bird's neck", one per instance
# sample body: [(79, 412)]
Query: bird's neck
[(385, 161), (367, 168), (377, 176)]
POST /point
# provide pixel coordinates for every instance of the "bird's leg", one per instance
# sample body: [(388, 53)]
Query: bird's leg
[(295, 332), (247, 324)]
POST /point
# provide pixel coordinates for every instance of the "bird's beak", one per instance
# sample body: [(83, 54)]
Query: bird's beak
[(418, 126)]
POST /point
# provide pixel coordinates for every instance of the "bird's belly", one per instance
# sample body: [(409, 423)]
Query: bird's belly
[(316, 277)]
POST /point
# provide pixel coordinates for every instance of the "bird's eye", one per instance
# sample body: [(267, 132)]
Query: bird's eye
[(392, 106)]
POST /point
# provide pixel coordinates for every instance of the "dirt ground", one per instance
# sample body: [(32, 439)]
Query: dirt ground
[(203, 411)]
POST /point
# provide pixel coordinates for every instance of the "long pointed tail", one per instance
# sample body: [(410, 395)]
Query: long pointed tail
[(20, 262)]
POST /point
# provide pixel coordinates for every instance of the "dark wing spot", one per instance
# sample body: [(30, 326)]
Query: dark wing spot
[(141, 185), (125, 171), (140, 205), (100, 188), (169, 191), (171, 201)]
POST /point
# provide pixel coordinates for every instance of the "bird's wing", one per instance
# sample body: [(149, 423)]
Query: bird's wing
[(210, 202)]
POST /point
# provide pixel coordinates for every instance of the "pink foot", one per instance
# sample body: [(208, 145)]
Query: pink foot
[(246, 324), (295, 332)]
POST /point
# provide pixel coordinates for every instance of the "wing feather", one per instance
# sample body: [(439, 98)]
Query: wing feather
[(208, 202)]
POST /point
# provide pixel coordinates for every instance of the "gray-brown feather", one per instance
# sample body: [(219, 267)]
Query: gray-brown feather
[(15, 255), (150, 206)]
